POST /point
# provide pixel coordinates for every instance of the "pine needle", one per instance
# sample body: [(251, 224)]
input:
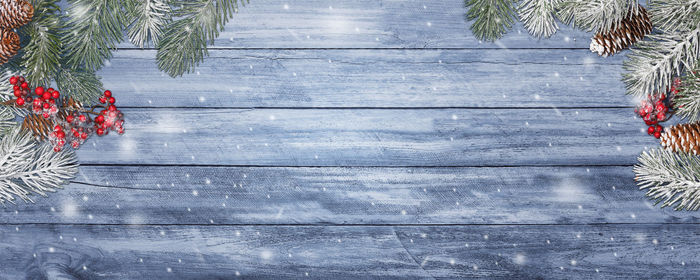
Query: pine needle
[(94, 29), (28, 167), (538, 17), (184, 42), (492, 18), (600, 16), (148, 19), (687, 101), (83, 86), (672, 179), (42, 55)]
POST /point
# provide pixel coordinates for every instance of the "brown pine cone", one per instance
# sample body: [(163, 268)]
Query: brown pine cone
[(15, 13), (9, 45), (630, 30), (682, 137)]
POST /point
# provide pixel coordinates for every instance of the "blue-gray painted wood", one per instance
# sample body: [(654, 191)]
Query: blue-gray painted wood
[(347, 163), (373, 137), (373, 78), (370, 24), (251, 195), (342, 252)]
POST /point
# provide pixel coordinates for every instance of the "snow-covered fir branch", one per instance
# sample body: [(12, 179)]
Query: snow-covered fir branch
[(687, 101), (672, 179), (492, 18), (653, 63), (596, 15), (538, 16), (148, 19), (28, 167)]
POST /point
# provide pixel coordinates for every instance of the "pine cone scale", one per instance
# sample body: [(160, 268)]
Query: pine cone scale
[(682, 137), (9, 45), (630, 30)]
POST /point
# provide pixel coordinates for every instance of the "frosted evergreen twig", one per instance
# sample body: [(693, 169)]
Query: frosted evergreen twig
[(650, 68), (687, 101), (538, 16), (94, 27), (600, 16), (147, 20), (42, 55), (492, 18), (28, 167), (672, 179)]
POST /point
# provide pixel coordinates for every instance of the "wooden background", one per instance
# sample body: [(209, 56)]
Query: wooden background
[(362, 139)]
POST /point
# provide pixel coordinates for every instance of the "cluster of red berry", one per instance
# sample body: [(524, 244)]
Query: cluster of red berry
[(655, 109), (71, 124)]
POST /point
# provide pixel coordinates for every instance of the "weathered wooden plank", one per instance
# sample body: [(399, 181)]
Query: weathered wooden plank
[(370, 24), (372, 137), (322, 252), (242, 195), (373, 78)]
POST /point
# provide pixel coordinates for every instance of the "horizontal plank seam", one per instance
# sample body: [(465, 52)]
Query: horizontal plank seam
[(353, 225), (348, 166), (385, 108)]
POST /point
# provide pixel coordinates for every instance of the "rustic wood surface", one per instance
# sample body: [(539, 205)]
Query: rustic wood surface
[(330, 139)]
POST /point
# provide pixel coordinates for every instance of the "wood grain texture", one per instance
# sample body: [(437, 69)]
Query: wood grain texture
[(222, 252), (373, 78), (243, 195), (362, 137), (370, 24)]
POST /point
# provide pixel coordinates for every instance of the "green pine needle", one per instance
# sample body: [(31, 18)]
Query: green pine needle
[(538, 16), (687, 101), (184, 42), (492, 18), (83, 86), (42, 55), (94, 27), (148, 19)]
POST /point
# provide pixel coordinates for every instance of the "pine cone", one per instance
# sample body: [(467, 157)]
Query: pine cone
[(15, 13), (630, 30), (38, 125), (682, 137), (9, 44)]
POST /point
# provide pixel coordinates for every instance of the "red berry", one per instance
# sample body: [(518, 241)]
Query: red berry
[(57, 149), (661, 116), (60, 134), (83, 136), (650, 130), (657, 135), (55, 94), (18, 93), (70, 118), (103, 100), (47, 105), (16, 87), (20, 101), (82, 118), (659, 128), (108, 93), (37, 102), (660, 107), (25, 85), (50, 89), (99, 119), (45, 115), (39, 90), (13, 80), (112, 108), (45, 96), (112, 100), (57, 128), (100, 131), (76, 134)]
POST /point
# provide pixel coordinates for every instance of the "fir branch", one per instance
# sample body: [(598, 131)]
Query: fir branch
[(670, 15), (184, 42), (492, 18), (600, 16), (7, 120), (6, 90), (672, 179), (94, 28), (42, 55), (83, 86), (148, 19), (28, 167), (653, 63), (538, 16), (687, 101)]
